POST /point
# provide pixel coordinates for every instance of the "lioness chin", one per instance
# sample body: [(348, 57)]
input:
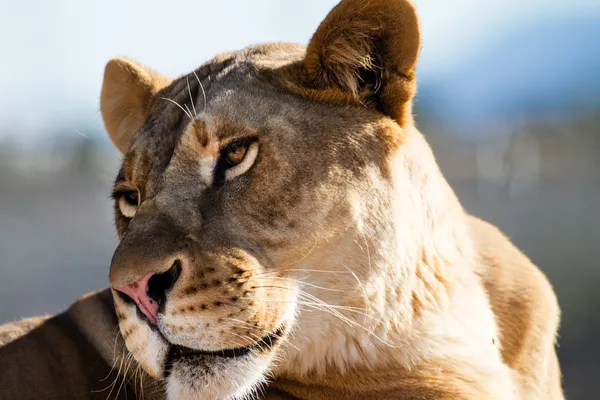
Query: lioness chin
[(284, 227)]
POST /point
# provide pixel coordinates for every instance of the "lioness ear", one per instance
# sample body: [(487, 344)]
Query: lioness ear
[(127, 93), (369, 48)]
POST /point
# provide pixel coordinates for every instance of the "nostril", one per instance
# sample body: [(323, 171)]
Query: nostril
[(159, 284)]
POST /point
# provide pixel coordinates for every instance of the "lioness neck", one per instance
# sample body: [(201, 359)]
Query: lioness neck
[(383, 286)]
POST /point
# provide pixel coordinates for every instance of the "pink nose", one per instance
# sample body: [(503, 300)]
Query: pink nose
[(138, 291)]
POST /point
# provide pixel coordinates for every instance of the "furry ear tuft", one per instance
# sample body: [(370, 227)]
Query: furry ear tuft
[(128, 90), (368, 48)]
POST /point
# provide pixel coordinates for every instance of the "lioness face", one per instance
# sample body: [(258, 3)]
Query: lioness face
[(238, 179)]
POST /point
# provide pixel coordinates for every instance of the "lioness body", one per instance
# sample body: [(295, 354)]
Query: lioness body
[(280, 214)]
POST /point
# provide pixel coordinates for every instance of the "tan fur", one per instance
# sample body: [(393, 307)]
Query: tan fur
[(342, 235)]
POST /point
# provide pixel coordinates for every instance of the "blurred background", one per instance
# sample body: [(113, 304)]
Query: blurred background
[(509, 98)]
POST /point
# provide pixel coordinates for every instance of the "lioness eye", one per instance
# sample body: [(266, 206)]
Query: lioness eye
[(235, 154), (238, 157), (128, 203)]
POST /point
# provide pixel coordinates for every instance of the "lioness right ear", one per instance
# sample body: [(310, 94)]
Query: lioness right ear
[(127, 93), (368, 49)]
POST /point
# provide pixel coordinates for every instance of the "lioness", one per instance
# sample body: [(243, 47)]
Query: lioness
[(286, 233)]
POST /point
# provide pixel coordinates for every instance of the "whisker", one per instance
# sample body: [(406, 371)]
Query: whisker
[(114, 382), (271, 287), (317, 301), (310, 251), (356, 324), (82, 134), (265, 331), (253, 273), (296, 280), (202, 88), (114, 355), (187, 108), (187, 80), (129, 363), (362, 287), (258, 340), (315, 270), (177, 104), (333, 309)]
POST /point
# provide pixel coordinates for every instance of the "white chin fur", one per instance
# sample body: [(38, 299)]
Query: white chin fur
[(228, 379), (151, 348)]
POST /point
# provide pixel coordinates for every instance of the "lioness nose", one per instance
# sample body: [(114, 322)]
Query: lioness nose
[(149, 292)]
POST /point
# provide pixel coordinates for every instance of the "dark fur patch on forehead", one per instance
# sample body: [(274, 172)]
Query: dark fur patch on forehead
[(198, 128)]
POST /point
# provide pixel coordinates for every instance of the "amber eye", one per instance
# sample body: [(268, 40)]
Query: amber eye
[(237, 157), (235, 154)]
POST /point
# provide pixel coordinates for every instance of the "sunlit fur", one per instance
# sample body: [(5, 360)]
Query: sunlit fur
[(337, 229)]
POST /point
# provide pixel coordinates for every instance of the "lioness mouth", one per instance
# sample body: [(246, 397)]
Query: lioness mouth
[(177, 352)]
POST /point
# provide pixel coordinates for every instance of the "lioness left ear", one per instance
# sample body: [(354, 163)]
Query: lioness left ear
[(127, 93), (368, 48)]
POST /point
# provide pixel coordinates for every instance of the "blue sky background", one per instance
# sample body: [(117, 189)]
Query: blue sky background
[(54, 52)]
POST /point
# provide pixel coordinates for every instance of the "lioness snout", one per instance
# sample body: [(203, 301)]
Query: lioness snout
[(149, 292)]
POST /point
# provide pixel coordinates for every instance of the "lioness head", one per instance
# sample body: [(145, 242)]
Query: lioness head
[(272, 204)]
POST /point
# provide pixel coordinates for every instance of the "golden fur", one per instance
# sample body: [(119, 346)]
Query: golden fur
[(340, 241)]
